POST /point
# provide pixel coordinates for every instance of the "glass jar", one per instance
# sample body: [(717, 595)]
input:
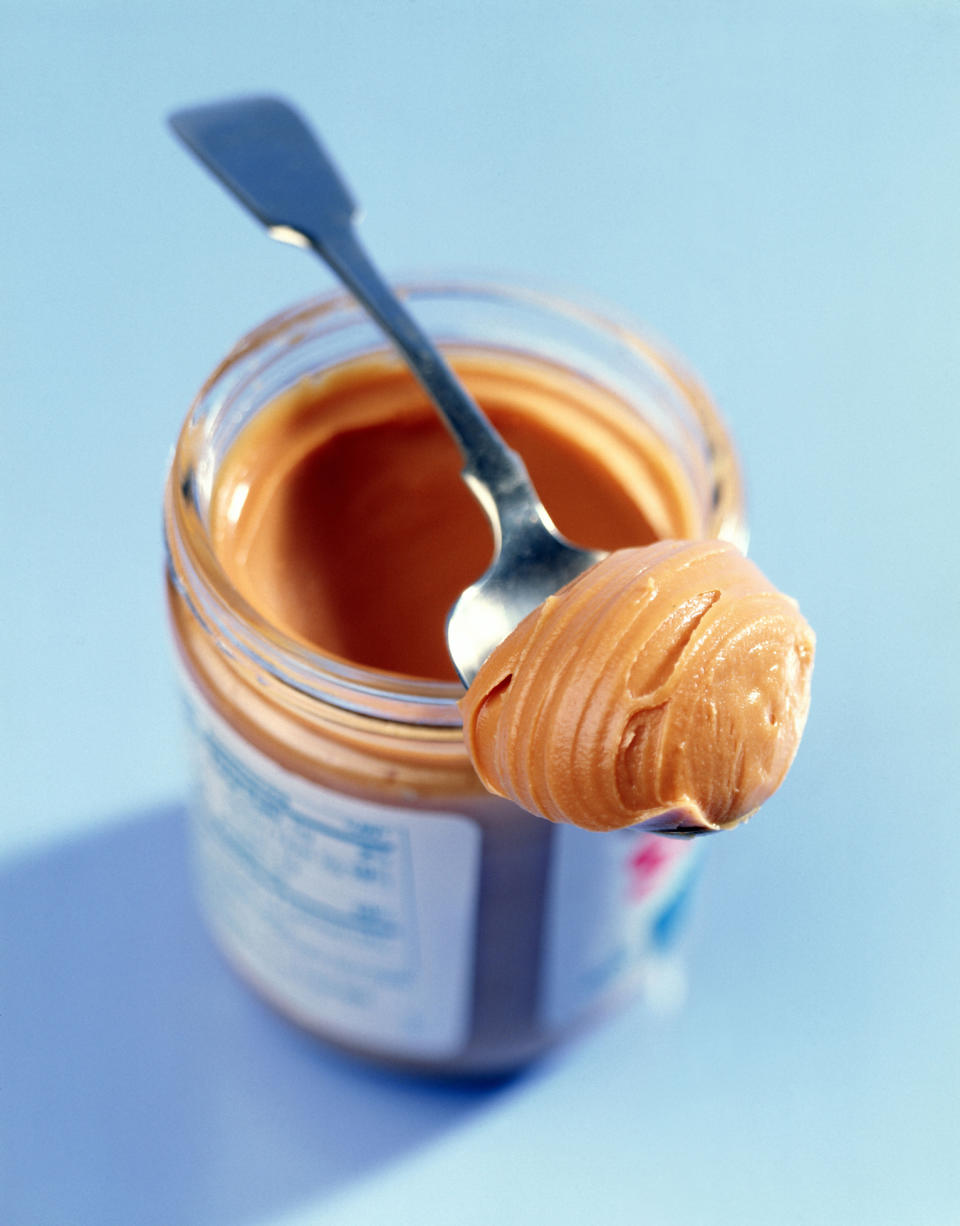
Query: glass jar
[(350, 864)]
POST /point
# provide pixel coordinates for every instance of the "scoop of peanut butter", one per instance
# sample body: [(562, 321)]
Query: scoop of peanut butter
[(667, 685)]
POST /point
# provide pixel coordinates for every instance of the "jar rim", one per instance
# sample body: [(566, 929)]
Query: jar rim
[(279, 659)]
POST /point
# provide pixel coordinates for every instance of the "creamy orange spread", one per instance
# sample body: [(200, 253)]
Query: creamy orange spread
[(667, 685)]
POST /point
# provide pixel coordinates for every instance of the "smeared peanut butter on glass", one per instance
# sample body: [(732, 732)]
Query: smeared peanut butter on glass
[(667, 685)]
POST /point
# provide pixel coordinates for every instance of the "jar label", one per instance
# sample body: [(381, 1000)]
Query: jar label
[(615, 900), (356, 917)]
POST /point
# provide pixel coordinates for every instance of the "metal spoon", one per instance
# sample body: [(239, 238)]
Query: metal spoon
[(264, 153)]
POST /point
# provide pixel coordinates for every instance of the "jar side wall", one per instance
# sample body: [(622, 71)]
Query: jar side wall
[(394, 741), (362, 755), (504, 1025)]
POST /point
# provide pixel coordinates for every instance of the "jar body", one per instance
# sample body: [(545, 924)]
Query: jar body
[(349, 862)]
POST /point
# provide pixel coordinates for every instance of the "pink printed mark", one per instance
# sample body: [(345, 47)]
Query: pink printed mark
[(651, 862)]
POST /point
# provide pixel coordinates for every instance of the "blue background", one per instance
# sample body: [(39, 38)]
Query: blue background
[(775, 188)]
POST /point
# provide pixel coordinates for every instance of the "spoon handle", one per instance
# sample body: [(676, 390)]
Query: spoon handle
[(494, 472), (266, 155)]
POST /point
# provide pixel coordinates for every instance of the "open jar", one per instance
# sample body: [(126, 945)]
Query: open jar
[(350, 864)]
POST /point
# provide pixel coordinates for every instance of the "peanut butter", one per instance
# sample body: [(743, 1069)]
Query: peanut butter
[(667, 685)]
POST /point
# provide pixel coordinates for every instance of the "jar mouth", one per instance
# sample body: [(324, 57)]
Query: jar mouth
[(333, 328)]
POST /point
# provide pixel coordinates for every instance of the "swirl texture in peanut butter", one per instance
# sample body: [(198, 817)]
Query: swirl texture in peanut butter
[(668, 685)]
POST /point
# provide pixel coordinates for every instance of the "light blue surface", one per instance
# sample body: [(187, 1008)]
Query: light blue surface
[(776, 189)]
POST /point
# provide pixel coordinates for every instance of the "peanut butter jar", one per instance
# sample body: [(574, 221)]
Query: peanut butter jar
[(351, 867)]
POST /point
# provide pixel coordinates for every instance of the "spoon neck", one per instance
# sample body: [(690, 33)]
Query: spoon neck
[(494, 472)]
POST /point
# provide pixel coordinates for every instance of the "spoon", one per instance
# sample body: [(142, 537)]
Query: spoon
[(263, 152)]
